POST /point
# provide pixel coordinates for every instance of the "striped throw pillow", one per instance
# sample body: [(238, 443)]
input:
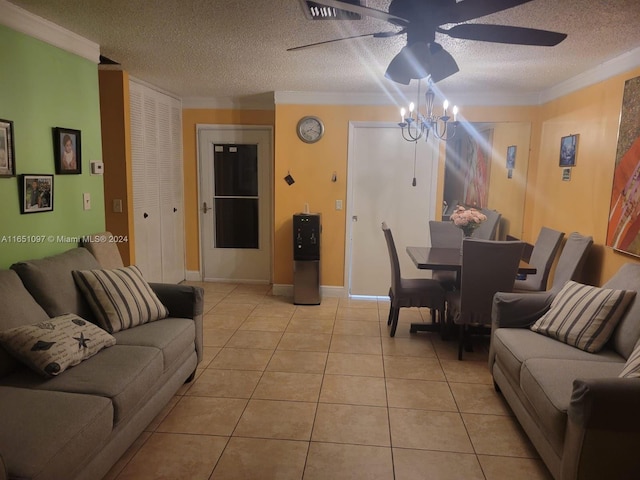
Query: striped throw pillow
[(119, 298), (584, 316), (632, 367)]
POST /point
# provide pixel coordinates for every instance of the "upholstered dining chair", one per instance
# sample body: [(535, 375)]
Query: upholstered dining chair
[(542, 257), (410, 292), (488, 229), (487, 267), (571, 260), (445, 235)]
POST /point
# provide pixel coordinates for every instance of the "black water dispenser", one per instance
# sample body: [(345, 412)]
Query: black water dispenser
[(306, 258)]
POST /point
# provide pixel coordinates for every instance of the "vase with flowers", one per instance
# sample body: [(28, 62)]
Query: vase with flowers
[(467, 219)]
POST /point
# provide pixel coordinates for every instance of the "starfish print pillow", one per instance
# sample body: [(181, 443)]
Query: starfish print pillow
[(50, 347)]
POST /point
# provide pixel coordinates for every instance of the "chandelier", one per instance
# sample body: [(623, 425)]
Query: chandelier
[(416, 124)]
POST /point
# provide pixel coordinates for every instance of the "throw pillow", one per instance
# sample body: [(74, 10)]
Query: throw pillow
[(584, 316), (632, 367), (119, 298), (52, 346)]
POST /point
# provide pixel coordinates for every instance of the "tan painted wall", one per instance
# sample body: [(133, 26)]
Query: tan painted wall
[(581, 204)]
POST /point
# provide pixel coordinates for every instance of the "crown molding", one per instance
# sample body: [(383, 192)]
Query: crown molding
[(610, 68), (37, 27)]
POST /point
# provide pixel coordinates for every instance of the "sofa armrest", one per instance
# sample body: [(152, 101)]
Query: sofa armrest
[(603, 429), (518, 310), (3, 469), (183, 301)]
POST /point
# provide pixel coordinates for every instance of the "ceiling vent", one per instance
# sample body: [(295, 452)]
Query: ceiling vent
[(317, 11)]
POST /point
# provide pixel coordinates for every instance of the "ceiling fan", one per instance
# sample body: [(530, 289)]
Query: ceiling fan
[(420, 20)]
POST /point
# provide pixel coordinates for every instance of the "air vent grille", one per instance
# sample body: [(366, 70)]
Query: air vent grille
[(317, 11)]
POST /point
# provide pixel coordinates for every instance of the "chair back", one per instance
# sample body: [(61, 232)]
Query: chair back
[(393, 258), (487, 229), (542, 257), (571, 260), (444, 234), (488, 267)]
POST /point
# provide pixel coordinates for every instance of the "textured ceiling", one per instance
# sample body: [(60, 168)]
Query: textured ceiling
[(237, 48)]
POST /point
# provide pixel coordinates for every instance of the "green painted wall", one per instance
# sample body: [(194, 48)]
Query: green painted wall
[(42, 87)]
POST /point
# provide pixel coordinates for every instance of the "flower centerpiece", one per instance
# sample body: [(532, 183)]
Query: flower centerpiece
[(467, 219)]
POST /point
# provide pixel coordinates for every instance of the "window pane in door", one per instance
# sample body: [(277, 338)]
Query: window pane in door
[(236, 170), (236, 224)]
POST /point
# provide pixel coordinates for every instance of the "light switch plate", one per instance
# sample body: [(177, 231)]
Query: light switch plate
[(86, 201)]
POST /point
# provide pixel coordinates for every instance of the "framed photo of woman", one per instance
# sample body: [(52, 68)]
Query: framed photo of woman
[(67, 151)]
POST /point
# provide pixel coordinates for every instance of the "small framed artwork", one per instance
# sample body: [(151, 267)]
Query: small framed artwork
[(511, 157), (36, 192), (67, 151), (7, 150), (568, 150)]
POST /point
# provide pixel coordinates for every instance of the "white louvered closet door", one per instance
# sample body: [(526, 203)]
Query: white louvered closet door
[(156, 144)]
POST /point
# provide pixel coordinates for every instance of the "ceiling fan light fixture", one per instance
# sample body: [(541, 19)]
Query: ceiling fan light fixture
[(411, 63)]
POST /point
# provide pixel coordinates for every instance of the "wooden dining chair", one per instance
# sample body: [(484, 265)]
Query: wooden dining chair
[(542, 257), (410, 292), (489, 228), (488, 267)]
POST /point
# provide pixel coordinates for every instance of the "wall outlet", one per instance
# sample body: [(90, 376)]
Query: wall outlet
[(86, 201)]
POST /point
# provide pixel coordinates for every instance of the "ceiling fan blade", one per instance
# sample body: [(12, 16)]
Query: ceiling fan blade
[(369, 12), (420, 60), (505, 34), (379, 34), (470, 9)]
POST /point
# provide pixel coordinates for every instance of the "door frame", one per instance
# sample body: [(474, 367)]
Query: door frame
[(353, 125), (226, 128)]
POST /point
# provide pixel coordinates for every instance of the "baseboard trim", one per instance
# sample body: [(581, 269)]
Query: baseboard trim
[(284, 290), (193, 275)]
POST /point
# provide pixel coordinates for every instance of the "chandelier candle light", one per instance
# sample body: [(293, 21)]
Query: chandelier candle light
[(418, 124)]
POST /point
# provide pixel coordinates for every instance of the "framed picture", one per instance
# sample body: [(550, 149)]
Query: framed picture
[(67, 151), (511, 157), (36, 193), (568, 150), (7, 151)]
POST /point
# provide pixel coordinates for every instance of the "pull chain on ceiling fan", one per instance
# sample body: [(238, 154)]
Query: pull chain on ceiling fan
[(420, 20)]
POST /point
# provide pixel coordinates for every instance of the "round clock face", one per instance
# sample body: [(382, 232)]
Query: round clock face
[(310, 129)]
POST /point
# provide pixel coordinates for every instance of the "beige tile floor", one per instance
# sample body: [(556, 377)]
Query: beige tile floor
[(323, 392)]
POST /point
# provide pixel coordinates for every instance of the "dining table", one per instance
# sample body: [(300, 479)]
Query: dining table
[(437, 258)]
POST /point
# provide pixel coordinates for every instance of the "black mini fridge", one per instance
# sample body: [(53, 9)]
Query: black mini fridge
[(306, 258)]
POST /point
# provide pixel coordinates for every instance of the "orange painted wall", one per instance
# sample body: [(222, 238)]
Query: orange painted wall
[(581, 204), (190, 119), (312, 167), (116, 155)]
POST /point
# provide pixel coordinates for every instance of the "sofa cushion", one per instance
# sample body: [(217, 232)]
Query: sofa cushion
[(120, 298), (50, 282), (627, 332), (44, 431), (50, 347), (18, 308), (513, 346), (171, 335), (584, 316), (122, 373), (548, 385)]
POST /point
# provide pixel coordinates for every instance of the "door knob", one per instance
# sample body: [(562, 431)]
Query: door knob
[(205, 209), (175, 209), (354, 218)]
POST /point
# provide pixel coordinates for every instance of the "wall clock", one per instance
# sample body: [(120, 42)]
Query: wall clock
[(310, 129)]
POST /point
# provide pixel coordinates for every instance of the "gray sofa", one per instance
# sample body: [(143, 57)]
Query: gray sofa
[(77, 425), (581, 417)]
